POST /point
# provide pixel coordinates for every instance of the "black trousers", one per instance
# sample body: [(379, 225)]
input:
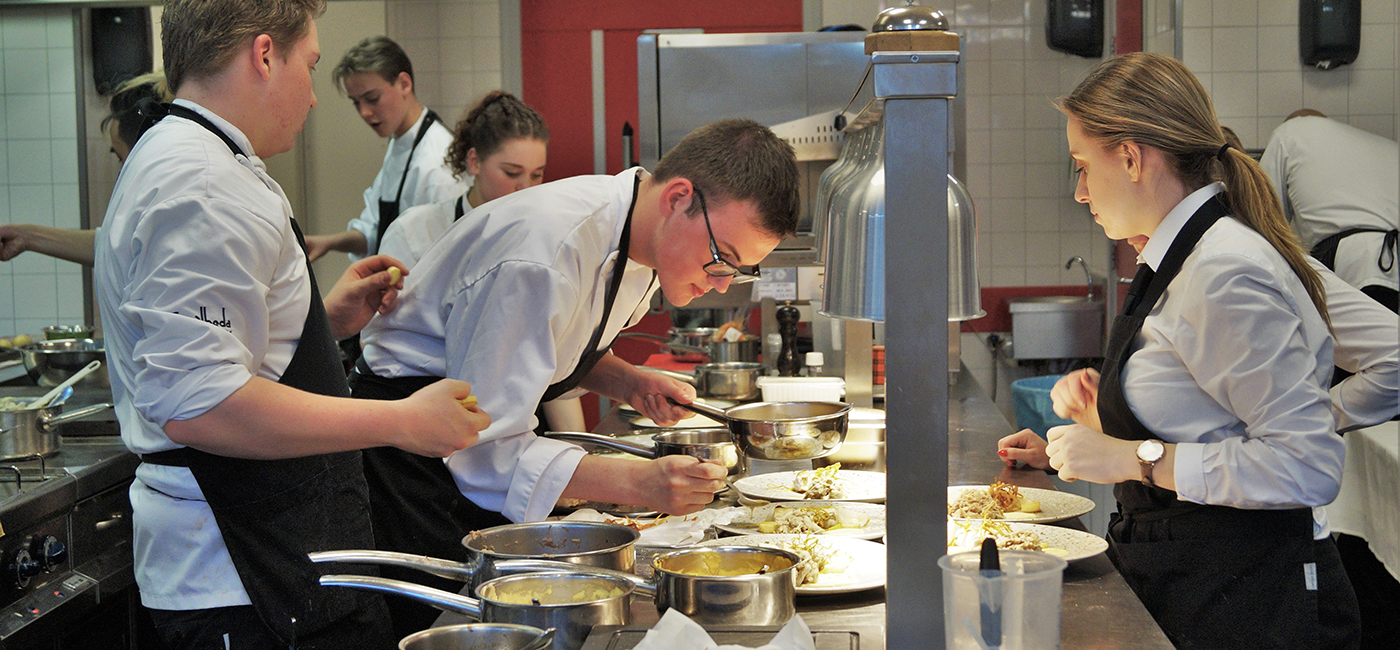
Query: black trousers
[(219, 628)]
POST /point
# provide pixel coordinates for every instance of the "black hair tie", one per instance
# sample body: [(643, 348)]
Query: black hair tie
[(1220, 155)]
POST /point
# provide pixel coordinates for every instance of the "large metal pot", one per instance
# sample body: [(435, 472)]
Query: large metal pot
[(495, 552), (713, 445), (782, 430), (474, 636), (716, 585), (736, 380), (50, 363), (26, 432), (538, 600)]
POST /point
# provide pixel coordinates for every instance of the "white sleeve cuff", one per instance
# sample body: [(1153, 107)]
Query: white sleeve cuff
[(1189, 472)]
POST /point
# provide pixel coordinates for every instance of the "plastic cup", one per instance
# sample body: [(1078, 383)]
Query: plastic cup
[(1019, 610)]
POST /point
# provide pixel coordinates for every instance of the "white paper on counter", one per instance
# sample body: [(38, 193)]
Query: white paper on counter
[(675, 631), (675, 531)]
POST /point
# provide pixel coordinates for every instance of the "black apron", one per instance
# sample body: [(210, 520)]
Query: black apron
[(1326, 250), (389, 210), (1213, 576), (272, 513), (414, 500)]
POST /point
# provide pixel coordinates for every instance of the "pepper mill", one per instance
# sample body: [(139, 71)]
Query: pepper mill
[(787, 364)]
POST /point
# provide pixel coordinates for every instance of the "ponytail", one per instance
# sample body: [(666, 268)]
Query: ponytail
[(497, 119)]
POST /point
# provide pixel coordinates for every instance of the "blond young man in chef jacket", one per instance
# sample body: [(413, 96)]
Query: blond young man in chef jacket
[(523, 297), (224, 366), (377, 76)]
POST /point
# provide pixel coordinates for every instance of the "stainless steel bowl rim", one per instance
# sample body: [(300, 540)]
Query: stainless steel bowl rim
[(656, 560), (599, 525), (837, 409), (505, 582)]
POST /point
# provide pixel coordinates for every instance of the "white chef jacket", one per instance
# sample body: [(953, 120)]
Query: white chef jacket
[(1233, 364), (429, 178), (202, 286), (1331, 177), (508, 299), (410, 235), (1367, 343)]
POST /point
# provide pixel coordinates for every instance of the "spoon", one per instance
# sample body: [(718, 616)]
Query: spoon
[(541, 642), (48, 397)]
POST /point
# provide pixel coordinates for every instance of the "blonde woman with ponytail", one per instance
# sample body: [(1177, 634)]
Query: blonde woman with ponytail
[(1211, 415)]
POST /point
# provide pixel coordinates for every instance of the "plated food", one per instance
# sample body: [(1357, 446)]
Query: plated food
[(833, 518), (1070, 544), (1007, 502), (821, 484), (842, 564)]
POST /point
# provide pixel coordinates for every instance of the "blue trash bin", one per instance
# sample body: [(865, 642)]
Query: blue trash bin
[(1033, 406)]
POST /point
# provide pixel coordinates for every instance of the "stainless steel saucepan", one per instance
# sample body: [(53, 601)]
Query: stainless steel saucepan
[(499, 551), (571, 603), (29, 431), (714, 445), (782, 430), (479, 636), (736, 380), (717, 585)]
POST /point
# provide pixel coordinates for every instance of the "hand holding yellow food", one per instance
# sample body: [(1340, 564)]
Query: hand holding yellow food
[(395, 275)]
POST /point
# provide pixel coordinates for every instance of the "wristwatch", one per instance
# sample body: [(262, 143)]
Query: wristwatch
[(1148, 453)]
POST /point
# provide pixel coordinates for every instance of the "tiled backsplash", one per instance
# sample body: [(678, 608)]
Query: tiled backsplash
[(38, 163), (455, 46)]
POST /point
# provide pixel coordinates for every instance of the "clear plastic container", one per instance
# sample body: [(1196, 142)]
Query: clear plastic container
[(802, 389)]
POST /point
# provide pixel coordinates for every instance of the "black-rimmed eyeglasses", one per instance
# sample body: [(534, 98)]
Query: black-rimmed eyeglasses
[(720, 267)]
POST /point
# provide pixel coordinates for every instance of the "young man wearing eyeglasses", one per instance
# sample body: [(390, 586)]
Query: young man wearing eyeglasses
[(523, 297)]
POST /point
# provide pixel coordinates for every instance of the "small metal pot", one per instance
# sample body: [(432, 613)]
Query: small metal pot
[(50, 363), (713, 445), (761, 590), (782, 430), (734, 380), (508, 600), (695, 343), (473, 636), (492, 552), (26, 432)]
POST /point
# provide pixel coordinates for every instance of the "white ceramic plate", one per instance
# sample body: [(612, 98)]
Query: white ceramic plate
[(858, 520), (861, 562), (1054, 504), (777, 486), (1077, 544)]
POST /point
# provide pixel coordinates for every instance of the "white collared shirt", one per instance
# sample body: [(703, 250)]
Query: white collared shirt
[(410, 235), (202, 286), (1331, 177), (1232, 365), (508, 299), (429, 178), (1367, 343)]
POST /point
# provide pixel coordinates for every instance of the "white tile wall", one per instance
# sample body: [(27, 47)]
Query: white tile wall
[(1256, 79), (455, 46), (38, 163)]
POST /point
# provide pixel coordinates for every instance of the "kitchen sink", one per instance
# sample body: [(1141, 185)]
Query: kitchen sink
[(1056, 327)]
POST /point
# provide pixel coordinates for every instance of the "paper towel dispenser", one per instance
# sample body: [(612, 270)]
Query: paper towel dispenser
[(1075, 26), (1329, 32)]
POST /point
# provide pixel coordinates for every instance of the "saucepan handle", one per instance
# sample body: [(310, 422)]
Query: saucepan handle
[(441, 568), (704, 408), (443, 600), (602, 441)]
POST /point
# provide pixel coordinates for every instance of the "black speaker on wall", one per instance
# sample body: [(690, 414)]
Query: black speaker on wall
[(1075, 27), (1329, 32), (121, 45)]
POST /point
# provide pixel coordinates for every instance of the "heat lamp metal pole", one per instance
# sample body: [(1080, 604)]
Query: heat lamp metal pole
[(916, 87)]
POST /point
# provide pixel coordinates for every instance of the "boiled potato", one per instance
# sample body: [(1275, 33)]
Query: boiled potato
[(6, 343), (468, 401), (395, 275), (1030, 506), (22, 339)]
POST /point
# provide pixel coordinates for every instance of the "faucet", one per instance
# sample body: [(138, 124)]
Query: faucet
[(1088, 279)]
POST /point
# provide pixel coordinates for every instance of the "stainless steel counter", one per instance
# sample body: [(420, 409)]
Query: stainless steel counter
[(1099, 610)]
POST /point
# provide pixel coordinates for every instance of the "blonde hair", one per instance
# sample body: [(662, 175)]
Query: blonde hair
[(200, 37), (1155, 101)]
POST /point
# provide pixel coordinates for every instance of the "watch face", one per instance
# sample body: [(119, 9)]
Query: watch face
[(1151, 451)]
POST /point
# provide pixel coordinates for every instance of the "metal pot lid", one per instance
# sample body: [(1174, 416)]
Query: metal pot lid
[(909, 18)]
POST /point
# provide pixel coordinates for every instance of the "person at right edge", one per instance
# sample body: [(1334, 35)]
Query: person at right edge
[(1212, 415), (225, 372), (1340, 189)]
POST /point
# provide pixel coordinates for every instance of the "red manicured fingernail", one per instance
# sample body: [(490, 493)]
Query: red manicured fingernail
[(1001, 452)]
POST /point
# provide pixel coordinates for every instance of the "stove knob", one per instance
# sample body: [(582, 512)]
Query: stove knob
[(23, 567), (54, 552)]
